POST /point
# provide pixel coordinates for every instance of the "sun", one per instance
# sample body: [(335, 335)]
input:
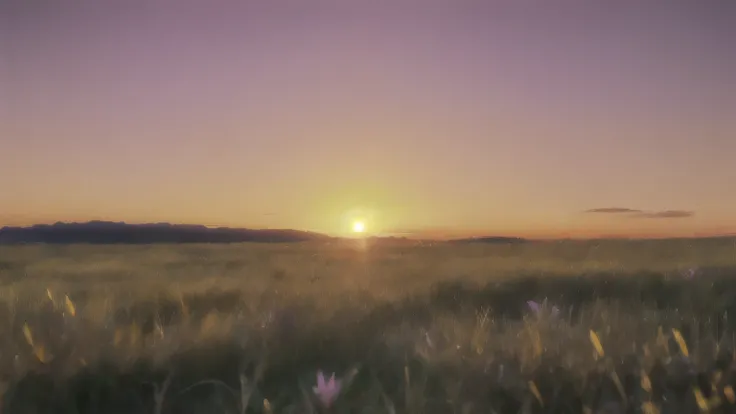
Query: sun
[(358, 227)]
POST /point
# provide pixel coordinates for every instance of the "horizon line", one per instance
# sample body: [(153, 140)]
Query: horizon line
[(410, 235)]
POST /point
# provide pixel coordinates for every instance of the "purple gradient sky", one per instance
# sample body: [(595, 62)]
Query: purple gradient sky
[(457, 117)]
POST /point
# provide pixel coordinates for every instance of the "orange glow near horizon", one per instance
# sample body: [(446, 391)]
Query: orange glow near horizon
[(580, 230)]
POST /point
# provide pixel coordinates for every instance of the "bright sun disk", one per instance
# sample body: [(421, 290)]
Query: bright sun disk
[(358, 227)]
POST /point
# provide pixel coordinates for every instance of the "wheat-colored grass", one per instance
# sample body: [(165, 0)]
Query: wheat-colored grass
[(422, 322)]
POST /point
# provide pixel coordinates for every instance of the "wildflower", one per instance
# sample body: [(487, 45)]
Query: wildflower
[(690, 273), (326, 392), (537, 308)]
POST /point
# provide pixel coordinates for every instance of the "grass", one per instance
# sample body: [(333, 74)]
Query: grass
[(642, 327)]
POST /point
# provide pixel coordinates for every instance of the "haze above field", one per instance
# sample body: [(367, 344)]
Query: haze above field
[(447, 120), (105, 232)]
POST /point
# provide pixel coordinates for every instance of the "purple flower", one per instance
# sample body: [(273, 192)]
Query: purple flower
[(534, 306), (537, 308), (326, 392), (690, 273)]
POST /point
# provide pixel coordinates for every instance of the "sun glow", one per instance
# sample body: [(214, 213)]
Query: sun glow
[(358, 227)]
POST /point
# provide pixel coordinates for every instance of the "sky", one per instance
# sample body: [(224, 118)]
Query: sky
[(433, 118)]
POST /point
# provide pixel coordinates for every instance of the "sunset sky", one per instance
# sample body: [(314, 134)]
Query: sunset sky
[(441, 118)]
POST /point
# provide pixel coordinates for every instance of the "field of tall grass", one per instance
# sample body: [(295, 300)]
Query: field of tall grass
[(543, 327)]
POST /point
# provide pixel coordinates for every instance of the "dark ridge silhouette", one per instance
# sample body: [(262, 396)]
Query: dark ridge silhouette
[(490, 239), (105, 232)]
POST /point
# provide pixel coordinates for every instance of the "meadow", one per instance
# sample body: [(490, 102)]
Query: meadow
[(609, 326)]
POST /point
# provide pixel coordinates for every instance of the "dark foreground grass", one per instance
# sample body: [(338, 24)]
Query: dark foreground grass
[(616, 332)]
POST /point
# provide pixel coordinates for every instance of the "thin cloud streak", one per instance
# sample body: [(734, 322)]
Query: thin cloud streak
[(637, 213), (665, 214), (613, 210)]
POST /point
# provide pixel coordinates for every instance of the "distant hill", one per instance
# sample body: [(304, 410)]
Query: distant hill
[(496, 240), (105, 232)]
